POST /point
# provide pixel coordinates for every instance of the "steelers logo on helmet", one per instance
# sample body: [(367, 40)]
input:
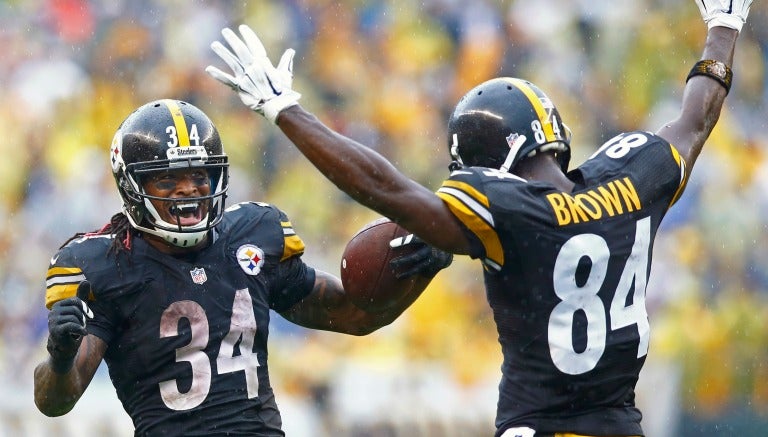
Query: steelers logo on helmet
[(116, 152), (169, 135), (503, 120)]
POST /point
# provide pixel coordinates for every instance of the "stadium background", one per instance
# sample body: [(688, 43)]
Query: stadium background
[(387, 72)]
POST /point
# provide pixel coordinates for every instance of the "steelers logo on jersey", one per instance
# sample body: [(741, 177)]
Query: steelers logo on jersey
[(250, 258)]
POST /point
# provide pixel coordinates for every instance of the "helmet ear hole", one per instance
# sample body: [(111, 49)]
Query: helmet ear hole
[(125, 186)]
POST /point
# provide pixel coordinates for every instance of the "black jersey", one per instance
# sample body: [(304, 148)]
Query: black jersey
[(187, 338), (565, 276)]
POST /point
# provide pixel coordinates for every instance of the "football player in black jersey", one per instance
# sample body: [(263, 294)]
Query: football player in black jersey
[(566, 254), (175, 292)]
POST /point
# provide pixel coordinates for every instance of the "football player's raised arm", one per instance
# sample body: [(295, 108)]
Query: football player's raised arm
[(328, 308), (56, 393), (357, 170), (373, 181), (709, 81)]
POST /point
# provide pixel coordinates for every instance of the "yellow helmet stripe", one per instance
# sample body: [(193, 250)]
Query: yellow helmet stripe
[(541, 112), (178, 121)]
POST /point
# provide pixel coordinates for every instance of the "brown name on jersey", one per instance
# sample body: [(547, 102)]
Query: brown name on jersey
[(618, 196)]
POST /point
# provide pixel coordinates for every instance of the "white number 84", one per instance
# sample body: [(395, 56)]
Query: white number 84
[(574, 298)]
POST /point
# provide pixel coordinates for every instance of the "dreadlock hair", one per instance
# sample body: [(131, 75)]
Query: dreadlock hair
[(119, 226)]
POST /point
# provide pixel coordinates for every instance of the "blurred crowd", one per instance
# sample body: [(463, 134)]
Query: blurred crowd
[(388, 73)]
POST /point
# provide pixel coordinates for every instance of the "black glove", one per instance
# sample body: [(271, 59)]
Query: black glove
[(66, 328), (424, 259)]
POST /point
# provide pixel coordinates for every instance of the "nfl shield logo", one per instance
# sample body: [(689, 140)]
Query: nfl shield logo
[(198, 275), (512, 139)]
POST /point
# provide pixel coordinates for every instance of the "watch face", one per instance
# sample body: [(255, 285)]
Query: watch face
[(717, 68)]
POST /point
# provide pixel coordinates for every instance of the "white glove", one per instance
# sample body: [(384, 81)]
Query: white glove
[(262, 87), (725, 13)]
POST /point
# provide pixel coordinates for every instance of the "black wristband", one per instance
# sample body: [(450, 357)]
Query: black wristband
[(715, 69)]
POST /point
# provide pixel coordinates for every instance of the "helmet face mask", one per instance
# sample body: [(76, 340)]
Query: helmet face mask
[(165, 136), (502, 121)]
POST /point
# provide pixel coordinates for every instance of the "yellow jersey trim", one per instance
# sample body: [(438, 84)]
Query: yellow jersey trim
[(472, 219)]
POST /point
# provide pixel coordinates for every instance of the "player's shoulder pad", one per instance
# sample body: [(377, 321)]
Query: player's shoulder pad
[(471, 181), (248, 207), (243, 215), (464, 192), (294, 245), (66, 268), (479, 175), (644, 148), (628, 144), (86, 247)]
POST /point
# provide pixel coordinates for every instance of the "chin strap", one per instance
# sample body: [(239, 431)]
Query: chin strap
[(514, 148), (457, 163)]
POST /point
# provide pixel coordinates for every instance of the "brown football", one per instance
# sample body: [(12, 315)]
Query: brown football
[(365, 272)]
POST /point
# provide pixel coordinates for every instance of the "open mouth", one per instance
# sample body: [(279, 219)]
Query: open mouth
[(186, 214)]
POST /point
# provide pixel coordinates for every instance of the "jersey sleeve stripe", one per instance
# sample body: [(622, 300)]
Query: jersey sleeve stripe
[(469, 202), (474, 199), (683, 177), (63, 271), (61, 283), (55, 293), (69, 279), (469, 189), (477, 219), (287, 228), (294, 245)]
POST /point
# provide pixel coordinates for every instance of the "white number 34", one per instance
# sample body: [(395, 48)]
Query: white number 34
[(575, 297), (242, 328)]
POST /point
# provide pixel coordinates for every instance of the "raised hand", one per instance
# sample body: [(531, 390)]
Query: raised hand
[(725, 13), (66, 327), (261, 87)]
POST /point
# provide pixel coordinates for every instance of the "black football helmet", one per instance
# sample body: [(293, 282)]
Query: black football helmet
[(168, 135), (503, 120)]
